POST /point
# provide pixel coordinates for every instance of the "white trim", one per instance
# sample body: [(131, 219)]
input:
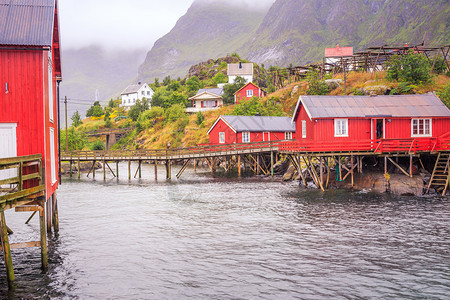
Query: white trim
[(207, 93), (220, 118), (303, 129), (422, 135), (345, 123)]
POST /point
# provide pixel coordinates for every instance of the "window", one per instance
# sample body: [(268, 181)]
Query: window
[(148, 92), (249, 93), (341, 127), (222, 137), (304, 129), (50, 87), (421, 127), (288, 135), (246, 137), (209, 103)]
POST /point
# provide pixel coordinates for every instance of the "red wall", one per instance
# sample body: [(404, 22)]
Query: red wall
[(26, 104), (242, 94)]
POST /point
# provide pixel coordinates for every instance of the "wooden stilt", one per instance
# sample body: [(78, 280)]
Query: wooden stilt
[(70, 168), (321, 169), (6, 250), (385, 165), (328, 172), (55, 212), (239, 165), (156, 169), (31, 217), (79, 169), (257, 164), (271, 164), (340, 168), (168, 173), (104, 170), (112, 172), (195, 165), (44, 258), (117, 169), (410, 166), (140, 169), (300, 171), (48, 211), (129, 169), (351, 170), (93, 169)]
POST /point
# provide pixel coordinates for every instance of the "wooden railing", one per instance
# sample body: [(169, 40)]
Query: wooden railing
[(25, 180)]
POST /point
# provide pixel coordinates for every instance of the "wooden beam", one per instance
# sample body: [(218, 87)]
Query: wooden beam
[(6, 250), (398, 166), (44, 257), (31, 217), (26, 208), (183, 168), (23, 245)]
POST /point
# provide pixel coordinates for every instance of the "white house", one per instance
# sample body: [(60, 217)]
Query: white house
[(206, 99), (134, 92), (244, 70)]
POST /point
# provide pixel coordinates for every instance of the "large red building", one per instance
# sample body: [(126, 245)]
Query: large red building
[(250, 129), (30, 72), (354, 118)]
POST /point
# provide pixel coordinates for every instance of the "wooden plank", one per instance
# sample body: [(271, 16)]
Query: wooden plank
[(398, 166), (21, 194), (6, 249), (26, 208), (23, 245)]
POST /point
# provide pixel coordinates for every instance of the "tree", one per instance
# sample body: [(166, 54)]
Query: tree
[(111, 103), (166, 80), (135, 110), (230, 89), (200, 118), (316, 85), (412, 67), (220, 78), (95, 110), (254, 107), (76, 119), (174, 86), (193, 84)]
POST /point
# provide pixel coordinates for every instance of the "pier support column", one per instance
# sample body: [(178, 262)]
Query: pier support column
[(239, 165), (79, 169), (104, 170), (44, 257), (48, 211), (351, 169), (168, 172), (117, 169), (70, 168), (195, 165), (156, 169), (257, 164), (6, 250), (55, 212), (93, 168), (271, 164), (140, 171), (129, 169)]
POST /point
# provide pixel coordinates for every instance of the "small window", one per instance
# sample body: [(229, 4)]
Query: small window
[(341, 127), (246, 137), (148, 92), (288, 135), (304, 129), (143, 93), (421, 127), (249, 93), (222, 137)]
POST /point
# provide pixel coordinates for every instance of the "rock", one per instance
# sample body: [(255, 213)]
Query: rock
[(400, 184), (294, 90), (280, 167), (376, 90), (289, 174), (333, 83)]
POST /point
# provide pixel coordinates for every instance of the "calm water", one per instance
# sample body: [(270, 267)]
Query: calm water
[(218, 238)]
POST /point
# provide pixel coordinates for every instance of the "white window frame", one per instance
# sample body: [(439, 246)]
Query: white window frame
[(288, 135), (249, 93), (221, 137), (50, 87), (246, 137), (425, 133), (52, 156), (341, 127), (304, 129)]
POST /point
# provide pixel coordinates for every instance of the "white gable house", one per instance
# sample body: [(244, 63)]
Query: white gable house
[(244, 70), (134, 92)]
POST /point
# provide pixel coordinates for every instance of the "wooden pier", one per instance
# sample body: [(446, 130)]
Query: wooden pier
[(23, 189), (316, 158)]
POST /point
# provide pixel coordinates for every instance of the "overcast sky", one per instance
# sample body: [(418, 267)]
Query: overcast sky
[(123, 23)]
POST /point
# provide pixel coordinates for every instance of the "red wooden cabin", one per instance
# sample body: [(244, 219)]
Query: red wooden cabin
[(30, 71), (249, 129), (349, 119), (248, 91)]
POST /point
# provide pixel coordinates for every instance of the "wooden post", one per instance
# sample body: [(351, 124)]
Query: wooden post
[(48, 211), (340, 168), (385, 165), (129, 169), (93, 168), (257, 164), (79, 169), (195, 165), (140, 172), (6, 250), (44, 257), (168, 175), (70, 168), (321, 169), (351, 169), (239, 165), (117, 169), (411, 166), (104, 170), (271, 164), (55, 212), (156, 169)]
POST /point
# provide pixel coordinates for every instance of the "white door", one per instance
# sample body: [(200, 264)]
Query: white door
[(8, 146)]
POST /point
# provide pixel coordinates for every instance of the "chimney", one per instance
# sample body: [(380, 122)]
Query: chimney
[(139, 83), (337, 46), (240, 65)]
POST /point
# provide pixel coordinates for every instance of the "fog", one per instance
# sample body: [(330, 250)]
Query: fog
[(125, 24)]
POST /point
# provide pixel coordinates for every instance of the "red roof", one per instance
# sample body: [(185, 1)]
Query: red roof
[(338, 51)]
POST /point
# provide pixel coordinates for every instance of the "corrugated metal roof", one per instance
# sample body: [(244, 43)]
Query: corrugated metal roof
[(426, 105), (240, 69), (132, 88), (26, 22), (215, 91), (260, 124)]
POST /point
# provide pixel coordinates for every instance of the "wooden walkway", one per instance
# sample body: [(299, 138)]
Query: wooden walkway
[(22, 187)]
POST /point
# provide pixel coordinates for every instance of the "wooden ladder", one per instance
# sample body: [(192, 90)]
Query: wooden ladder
[(441, 174)]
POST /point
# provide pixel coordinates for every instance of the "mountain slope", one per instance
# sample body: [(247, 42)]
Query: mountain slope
[(211, 29), (294, 31)]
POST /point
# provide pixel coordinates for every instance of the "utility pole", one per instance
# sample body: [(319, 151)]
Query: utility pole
[(65, 104)]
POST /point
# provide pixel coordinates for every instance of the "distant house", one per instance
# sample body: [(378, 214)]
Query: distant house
[(249, 129), (333, 55), (350, 119), (206, 99), (248, 91), (134, 92), (244, 70)]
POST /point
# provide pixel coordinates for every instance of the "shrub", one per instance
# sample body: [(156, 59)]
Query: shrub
[(200, 118), (412, 67), (97, 145), (175, 113), (230, 89), (76, 119), (316, 85), (95, 110), (254, 107), (444, 94)]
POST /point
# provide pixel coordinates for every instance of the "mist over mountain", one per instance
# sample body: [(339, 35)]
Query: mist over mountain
[(293, 31)]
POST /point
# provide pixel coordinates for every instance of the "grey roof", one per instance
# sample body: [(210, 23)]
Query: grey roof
[(215, 91), (132, 88), (246, 69), (27, 22), (426, 105), (258, 123)]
